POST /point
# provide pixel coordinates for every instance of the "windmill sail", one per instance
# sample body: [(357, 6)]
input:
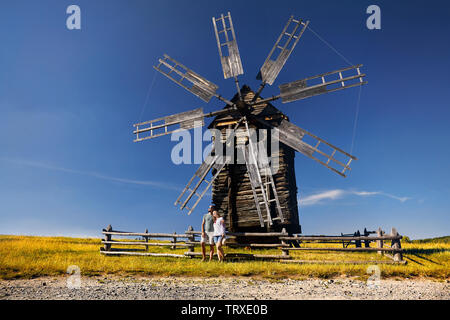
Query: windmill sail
[(305, 88), (323, 152), (188, 79), (166, 125), (227, 45), (214, 162), (280, 53), (293, 136)]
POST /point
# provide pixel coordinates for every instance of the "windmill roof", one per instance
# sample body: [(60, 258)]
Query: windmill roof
[(265, 110)]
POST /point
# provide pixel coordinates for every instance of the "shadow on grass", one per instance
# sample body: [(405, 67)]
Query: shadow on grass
[(415, 261), (424, 251), (427, 259), (420, 252)]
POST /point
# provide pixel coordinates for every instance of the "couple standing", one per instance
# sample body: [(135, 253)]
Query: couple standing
[(213, 232)]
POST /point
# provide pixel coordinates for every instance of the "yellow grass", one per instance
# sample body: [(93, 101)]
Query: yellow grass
[(27, 257)]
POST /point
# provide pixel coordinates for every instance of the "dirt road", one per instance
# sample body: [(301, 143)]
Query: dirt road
[(100, 288)]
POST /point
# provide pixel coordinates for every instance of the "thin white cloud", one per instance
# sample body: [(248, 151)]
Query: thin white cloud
[(94, 174), (322, 196), (365, 193), (330, 195)]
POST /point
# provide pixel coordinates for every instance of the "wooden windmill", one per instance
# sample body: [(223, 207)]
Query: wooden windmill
[(251, 195)]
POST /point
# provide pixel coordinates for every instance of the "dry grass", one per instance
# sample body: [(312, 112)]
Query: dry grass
[(27, 257)]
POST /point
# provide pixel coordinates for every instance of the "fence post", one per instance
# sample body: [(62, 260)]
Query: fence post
[(191, 238), (398, 256), (107, 246), (283, 242), (366, 242), (358, 242), (146, 239), (296, 242), (174, 241), (380, 242)]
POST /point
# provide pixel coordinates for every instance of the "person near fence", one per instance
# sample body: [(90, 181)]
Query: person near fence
[(208, 233), (219, 234)]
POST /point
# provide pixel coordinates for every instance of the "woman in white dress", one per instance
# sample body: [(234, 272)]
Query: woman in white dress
[(219, 234)]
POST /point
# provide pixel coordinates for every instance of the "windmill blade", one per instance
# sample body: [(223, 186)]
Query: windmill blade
[(189, 80), (294, 136), (305, 88), (227, 45), (214, 162), (280, 53), (167, 125)]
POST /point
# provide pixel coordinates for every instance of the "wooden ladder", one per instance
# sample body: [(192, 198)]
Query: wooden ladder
[(258, 166)]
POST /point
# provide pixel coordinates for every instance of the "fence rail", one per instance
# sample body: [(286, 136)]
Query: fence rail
[(284, 242)]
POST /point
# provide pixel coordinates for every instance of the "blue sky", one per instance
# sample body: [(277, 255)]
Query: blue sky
[(68, 99)]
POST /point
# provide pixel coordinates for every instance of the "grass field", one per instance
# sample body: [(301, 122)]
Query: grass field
[(28, 257)]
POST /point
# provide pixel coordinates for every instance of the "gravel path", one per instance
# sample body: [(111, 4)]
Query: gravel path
[(101, 288)]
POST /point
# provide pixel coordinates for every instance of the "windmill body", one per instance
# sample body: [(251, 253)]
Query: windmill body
[(252, 194), (232, 192)]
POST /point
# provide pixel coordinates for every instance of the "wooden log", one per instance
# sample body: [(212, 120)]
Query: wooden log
[(283, 251), (398, 256), (358, 242), (126, 249), (191, 238), (343, 262), (150, 235), (195, 254), (247, 234), (244, 255), (193, 243), (174, 241), (341, 238), (256, 234), (146, 244), (107, 238), (125, 253), (258, 245), (192, 232), (347, 249), (380, 242), (366, 242), (271, 256)]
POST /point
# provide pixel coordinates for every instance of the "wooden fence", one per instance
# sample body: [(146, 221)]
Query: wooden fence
[(284, 241)]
